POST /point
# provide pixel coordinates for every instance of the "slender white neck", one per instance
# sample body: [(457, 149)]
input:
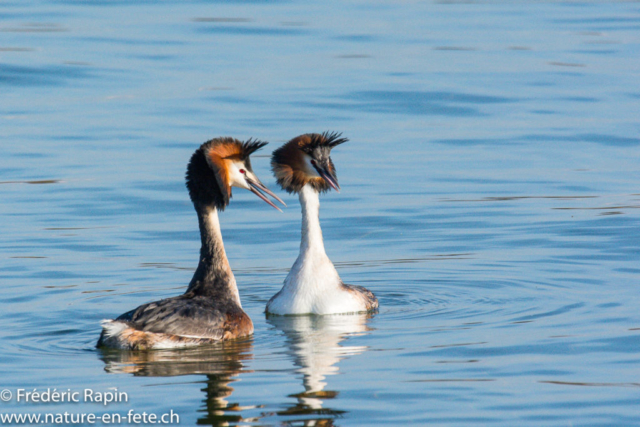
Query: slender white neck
[(313, 284), (312, 242), (313, 272)]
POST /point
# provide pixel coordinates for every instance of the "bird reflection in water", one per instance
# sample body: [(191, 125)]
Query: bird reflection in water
[(314, 345), (220, 363)]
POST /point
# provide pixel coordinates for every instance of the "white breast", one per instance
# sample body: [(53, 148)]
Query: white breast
[(313, 285)]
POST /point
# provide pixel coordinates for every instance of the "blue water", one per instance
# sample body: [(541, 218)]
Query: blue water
[(489, 198)]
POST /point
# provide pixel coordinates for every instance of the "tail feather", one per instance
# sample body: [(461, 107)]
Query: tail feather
[(120, 335)]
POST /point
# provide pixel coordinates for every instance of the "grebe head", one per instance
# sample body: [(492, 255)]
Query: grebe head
[(306, 160), (220, 164)]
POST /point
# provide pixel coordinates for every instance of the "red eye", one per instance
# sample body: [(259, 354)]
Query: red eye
[(313, 162), (242, 171)]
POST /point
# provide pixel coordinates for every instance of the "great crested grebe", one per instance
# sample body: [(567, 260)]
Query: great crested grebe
[(313, 286), (210, 309)]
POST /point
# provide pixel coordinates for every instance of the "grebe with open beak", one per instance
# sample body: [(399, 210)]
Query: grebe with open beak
[(210, 309)]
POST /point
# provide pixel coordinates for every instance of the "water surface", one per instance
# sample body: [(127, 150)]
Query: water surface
[(490, 200)]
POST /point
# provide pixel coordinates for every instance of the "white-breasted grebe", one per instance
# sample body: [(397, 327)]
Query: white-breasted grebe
[(313, 286), (210, 309)]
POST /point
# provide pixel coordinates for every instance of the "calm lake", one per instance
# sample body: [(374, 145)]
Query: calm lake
[(490, 199)]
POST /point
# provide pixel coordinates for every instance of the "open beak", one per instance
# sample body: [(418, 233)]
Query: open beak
[(327, 176), (257, 187)]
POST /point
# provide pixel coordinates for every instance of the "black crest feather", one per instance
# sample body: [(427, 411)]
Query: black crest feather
[(324, 140), (250, 146)]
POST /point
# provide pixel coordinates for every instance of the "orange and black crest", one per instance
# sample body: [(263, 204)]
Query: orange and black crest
[(208, 166), (232, 149), (290, 167)]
